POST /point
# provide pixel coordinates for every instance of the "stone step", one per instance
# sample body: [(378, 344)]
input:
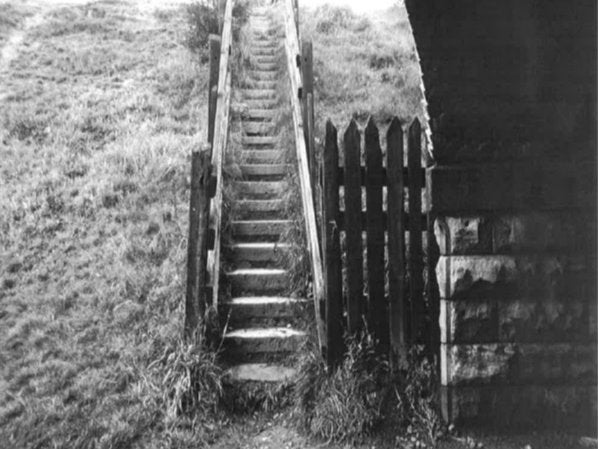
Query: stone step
[(260, 372), (261, 103), (263, 75), (259, 141), (261, 207), (260, 114), (259, 93), (246, 308), (257, 252), (265, 170), (263, 127), (264, 51), (257, 280), (260, 84), (265, 66), (241, 344), (266, 59), (262, 156), (263, 228), (261, 189)]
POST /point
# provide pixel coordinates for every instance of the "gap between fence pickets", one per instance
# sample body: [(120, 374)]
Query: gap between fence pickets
[(292, 51), (218, 149)]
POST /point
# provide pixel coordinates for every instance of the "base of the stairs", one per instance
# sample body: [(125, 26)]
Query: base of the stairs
[(260, 372)]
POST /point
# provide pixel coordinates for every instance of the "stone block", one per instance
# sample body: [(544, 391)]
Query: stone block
[(542, 231), (513, 277), (518, 364), (476, 364), (517, 407), (547, 320), (468, 321), (463, 235)]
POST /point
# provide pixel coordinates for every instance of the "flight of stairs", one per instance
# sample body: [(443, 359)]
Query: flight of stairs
[(263, 329)]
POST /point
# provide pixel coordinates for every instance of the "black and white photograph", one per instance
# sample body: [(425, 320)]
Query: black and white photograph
[(298, 224)]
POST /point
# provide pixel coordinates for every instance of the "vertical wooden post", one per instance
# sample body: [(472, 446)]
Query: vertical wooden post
[(416, 282), (334, 299), (377, 309), (353, 227), (311, 139), (195, 301), (213, 84), (396, 241)]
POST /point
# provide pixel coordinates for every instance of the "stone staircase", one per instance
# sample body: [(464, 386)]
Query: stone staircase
[(263, 329)]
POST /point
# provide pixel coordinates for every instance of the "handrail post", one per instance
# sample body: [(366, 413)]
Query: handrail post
[(195, 301), (213, 84)]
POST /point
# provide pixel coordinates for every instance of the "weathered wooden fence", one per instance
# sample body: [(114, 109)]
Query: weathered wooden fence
[(205, 211), (385, 290)]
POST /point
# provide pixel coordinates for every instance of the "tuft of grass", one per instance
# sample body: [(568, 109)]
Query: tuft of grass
[(362, 395), (346, 405)]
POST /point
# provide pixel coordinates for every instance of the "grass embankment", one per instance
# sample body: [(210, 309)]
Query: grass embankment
[(95, 138), (12, 17), (363, 65)]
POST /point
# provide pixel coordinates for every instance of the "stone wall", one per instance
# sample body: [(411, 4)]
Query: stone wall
[(517, 283)]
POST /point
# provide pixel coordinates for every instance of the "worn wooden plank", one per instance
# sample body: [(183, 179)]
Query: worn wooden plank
[(197, 246), (333, 274), (219, 148), (308, 87), (311, 139), (377, 307), (353, 225), (311, 232), (416, 281), (213, 84), (342, 221), (396, 241)]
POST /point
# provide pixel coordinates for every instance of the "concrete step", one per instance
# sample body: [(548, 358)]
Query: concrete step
[(241, 344), (257, 280), (266, 59), (257, 252), (259, 141), (274, 207), (255, 127), (247, 308), (264, 51), (263, 75), (265, 66), (259, 84), (259, 93), (260, 372), (261, 103), (262, 228), (262, 156), (261, 189), (265, 170), (260, 114)]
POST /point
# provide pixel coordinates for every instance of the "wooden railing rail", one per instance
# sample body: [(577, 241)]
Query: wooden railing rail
[(219, 147), (293, 55), (205, 210)]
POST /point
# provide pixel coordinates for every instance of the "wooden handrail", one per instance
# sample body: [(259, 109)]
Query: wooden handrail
[(219, 147), (293, 54)]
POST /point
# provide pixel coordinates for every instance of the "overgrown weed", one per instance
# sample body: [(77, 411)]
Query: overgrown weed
[(363, 395)]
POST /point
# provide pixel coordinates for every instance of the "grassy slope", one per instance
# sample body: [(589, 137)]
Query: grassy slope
[(12, 17), (94, 142), (363, 65)]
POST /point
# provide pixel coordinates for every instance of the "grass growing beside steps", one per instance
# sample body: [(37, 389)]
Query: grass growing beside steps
[(363, 65), (105, 105)]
